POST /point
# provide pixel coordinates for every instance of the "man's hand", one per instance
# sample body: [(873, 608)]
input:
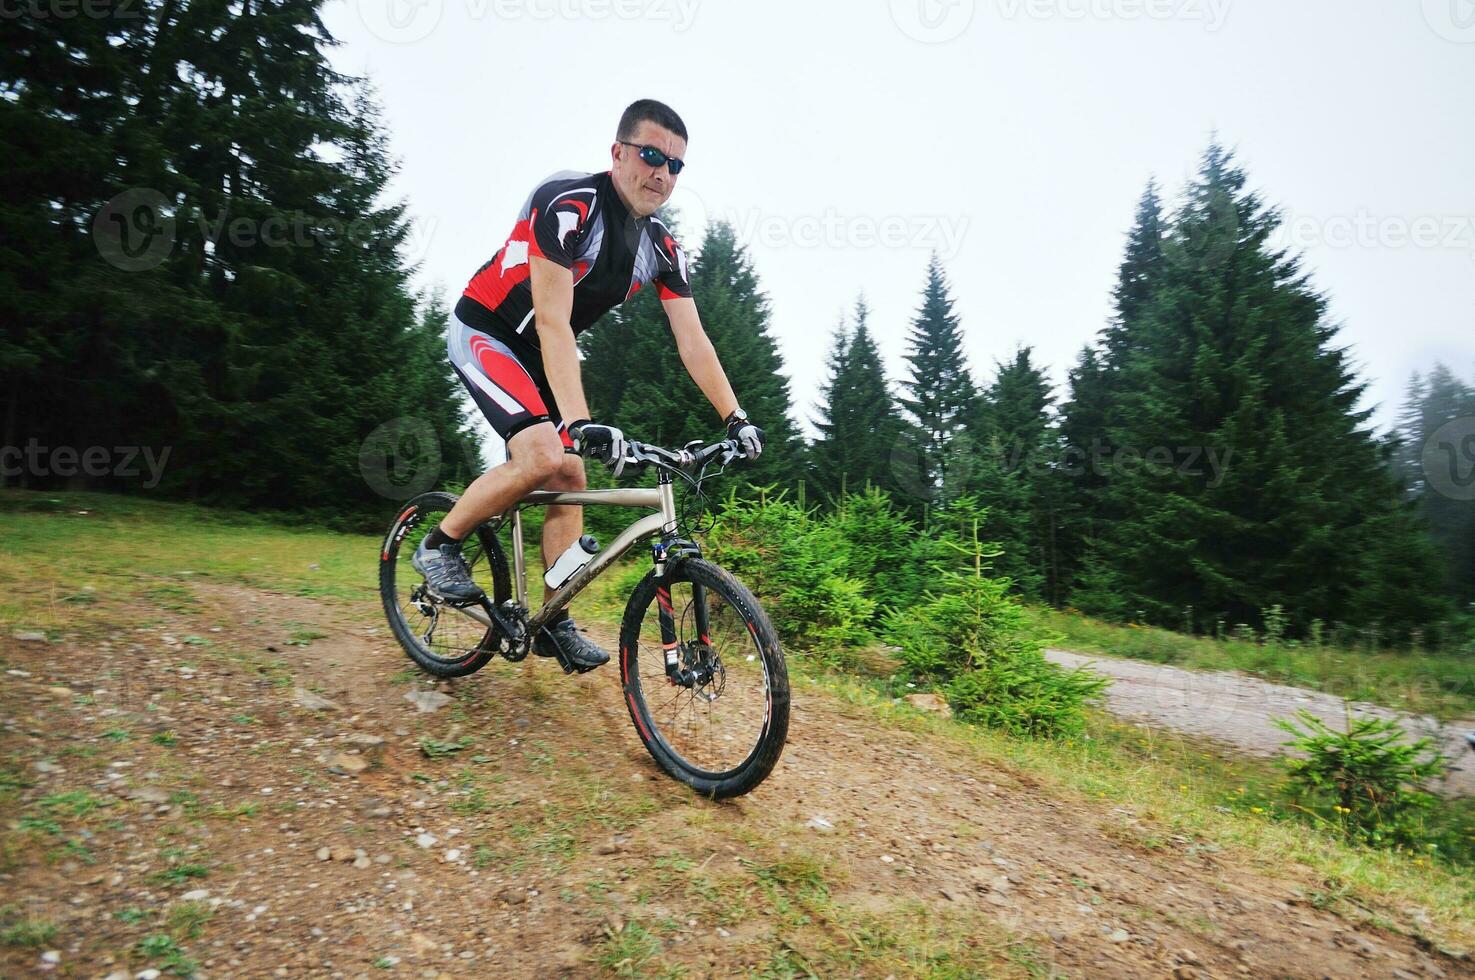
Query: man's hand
[(747, 435), (602, 442)]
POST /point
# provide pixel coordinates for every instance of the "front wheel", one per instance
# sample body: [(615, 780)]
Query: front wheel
[(719, 724)]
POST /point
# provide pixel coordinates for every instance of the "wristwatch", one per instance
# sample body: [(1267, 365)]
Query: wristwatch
[(738, 415)]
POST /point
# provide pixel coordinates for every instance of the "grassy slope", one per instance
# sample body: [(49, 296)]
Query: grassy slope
[(124, 548)]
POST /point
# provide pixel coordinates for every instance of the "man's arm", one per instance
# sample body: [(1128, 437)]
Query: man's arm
[(553, 305), (698, 354)]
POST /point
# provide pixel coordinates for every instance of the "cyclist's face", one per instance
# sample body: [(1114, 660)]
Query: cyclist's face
[(643, 187)]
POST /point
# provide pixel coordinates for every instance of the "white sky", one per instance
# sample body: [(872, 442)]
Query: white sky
[(847, 141)]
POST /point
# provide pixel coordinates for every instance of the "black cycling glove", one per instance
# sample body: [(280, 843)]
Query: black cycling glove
[(747, 435), (602, 442)]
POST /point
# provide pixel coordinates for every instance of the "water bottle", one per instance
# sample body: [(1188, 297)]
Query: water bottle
[(576, 557)]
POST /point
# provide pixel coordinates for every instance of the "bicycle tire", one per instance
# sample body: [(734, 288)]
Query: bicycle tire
[(472, 656), (650, 724)]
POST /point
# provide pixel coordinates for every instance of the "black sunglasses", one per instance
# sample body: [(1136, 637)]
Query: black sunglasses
[(655, 157)]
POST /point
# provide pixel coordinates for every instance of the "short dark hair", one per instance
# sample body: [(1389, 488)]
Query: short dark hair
[(649, 110)]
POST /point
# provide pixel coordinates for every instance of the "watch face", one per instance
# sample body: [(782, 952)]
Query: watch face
[(739, 416)]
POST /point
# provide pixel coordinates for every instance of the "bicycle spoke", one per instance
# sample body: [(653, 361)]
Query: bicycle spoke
[(717, 723)]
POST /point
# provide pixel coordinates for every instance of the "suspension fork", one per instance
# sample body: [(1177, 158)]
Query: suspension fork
[(670, 548)]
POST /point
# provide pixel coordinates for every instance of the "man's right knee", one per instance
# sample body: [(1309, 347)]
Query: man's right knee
[(537, 452)]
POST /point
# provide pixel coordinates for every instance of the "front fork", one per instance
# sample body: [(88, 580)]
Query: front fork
[(669, 550)]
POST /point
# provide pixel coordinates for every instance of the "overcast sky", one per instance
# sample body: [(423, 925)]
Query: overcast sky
[(847, 141)]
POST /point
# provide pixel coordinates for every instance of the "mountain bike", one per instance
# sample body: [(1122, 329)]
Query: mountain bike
[(701, 669)]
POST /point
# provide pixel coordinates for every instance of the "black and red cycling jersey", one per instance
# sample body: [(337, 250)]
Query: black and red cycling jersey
[(578, 221)]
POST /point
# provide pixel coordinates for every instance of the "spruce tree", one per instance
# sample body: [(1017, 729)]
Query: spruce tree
[(1095, 388), (227, 280), (1009, 473), (939, 395), (1235, 355), (858, 425), (828, 455), (1436, 467)]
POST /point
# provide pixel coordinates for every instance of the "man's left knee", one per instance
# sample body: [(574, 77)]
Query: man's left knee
[(571, 474)]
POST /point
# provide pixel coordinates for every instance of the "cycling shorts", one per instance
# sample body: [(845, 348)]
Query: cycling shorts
[(512, 394)]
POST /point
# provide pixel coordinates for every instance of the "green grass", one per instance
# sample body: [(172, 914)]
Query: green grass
[(32, 933), (130, 549), (1442, 685)]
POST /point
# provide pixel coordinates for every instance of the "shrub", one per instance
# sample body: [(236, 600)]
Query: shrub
[(1368, 779), (974, 642), (799, 567)]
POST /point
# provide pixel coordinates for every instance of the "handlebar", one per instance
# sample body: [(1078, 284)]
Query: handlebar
[(689, 457)]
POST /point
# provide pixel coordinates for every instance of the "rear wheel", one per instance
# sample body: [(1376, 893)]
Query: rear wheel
[(720, 725), (440, 639)]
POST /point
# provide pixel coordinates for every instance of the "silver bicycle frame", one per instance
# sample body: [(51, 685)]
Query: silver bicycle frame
[(659, 498)]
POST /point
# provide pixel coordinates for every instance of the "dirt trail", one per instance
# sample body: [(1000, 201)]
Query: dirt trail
[(1236, 709), (569, 835)]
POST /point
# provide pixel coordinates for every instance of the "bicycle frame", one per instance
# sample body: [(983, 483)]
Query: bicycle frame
[(659, 498)]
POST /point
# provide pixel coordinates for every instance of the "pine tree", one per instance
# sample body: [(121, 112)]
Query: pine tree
[(1008, 472), (1435, 465), (1235, 355), (1095, 388), (273, 329), (938, 396), (828, 455), (858, 424)]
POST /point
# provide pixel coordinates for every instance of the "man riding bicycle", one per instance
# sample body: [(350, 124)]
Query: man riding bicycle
[(583, 243)]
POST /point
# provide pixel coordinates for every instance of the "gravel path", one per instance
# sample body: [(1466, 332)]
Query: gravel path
[(1238, 710)]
